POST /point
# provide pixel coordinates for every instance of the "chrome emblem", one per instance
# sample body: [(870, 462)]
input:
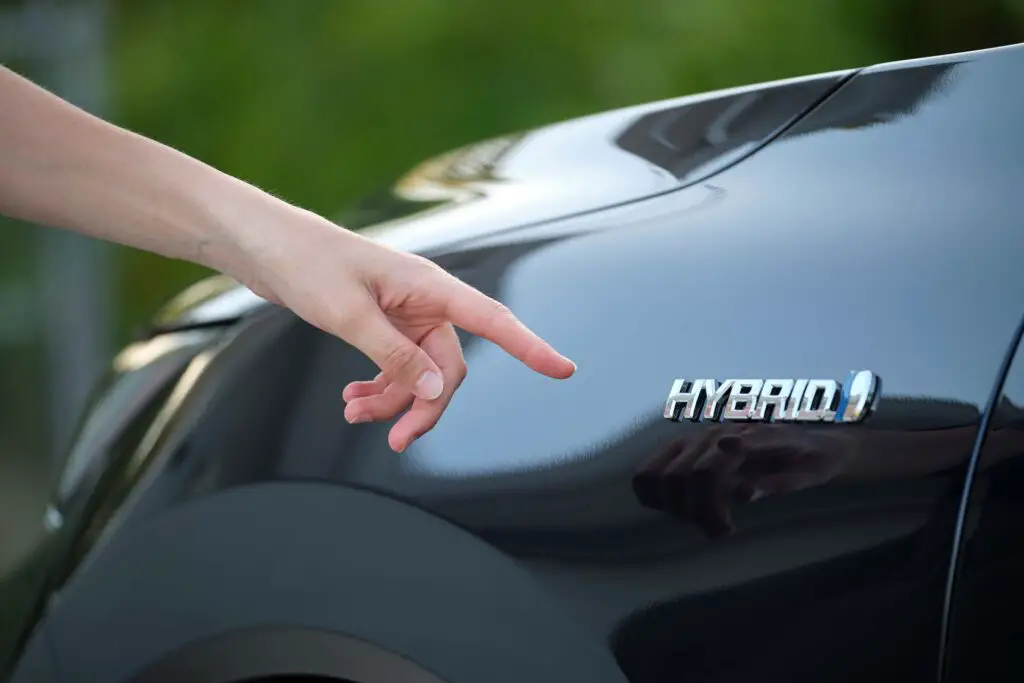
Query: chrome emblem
[(774, 400)]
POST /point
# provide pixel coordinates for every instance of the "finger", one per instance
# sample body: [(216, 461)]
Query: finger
[(401, 360), (442, 344), (481, 315), (710, 484), (372, 387), (383, 406)]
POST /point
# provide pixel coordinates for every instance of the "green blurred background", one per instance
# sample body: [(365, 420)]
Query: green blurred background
[(322, 101)]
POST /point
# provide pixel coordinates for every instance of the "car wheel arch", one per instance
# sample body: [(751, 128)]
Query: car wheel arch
[(300, 558)]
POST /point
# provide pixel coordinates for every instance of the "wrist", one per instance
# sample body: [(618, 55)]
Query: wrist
[(251, 232), (239, 222)]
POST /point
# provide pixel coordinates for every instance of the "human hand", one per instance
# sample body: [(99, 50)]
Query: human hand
[(64, 167), (699, 475), (399, 309)]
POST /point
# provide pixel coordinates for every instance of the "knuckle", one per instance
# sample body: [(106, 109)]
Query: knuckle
[(399, 358), (500, 310), (499, 313), (424, 267)]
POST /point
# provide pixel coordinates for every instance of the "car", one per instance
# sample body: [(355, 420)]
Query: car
[(217, 520)]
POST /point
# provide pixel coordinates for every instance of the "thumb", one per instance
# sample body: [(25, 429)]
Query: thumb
[(401, 360)]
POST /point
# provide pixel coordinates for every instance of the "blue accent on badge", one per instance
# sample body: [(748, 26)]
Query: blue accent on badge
[(844, 397)]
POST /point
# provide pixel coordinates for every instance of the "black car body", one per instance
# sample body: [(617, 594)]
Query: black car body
[(217, 519)]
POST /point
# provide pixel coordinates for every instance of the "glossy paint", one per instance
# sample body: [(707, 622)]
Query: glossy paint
[(585, 164), (566, 529), (984, 632)]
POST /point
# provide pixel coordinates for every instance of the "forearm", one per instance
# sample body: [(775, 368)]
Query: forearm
[(63, 167)]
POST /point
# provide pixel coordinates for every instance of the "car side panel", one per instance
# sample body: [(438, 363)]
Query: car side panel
[(985, 634), (881, 232), (410, 598)]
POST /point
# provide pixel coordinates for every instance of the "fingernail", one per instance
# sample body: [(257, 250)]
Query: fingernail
[(429, 386), (358, 418)]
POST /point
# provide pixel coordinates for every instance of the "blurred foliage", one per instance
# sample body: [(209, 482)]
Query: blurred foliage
[(322, 101)]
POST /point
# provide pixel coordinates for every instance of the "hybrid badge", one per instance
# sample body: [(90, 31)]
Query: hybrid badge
[(774, 400)]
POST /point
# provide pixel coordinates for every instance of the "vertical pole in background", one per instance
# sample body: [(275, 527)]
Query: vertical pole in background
[(74, 271)]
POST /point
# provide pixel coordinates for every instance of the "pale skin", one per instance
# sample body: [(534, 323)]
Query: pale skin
[(60, 166)]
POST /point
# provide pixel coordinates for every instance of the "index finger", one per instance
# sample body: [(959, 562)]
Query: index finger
[(475, 312)]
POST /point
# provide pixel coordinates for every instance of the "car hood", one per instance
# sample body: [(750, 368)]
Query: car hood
[(555, 171), (583, 164)]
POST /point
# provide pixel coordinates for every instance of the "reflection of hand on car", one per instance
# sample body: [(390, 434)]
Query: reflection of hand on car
[(698, 476)]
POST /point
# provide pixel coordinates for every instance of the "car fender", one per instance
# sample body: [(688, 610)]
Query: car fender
[(395, 585)]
